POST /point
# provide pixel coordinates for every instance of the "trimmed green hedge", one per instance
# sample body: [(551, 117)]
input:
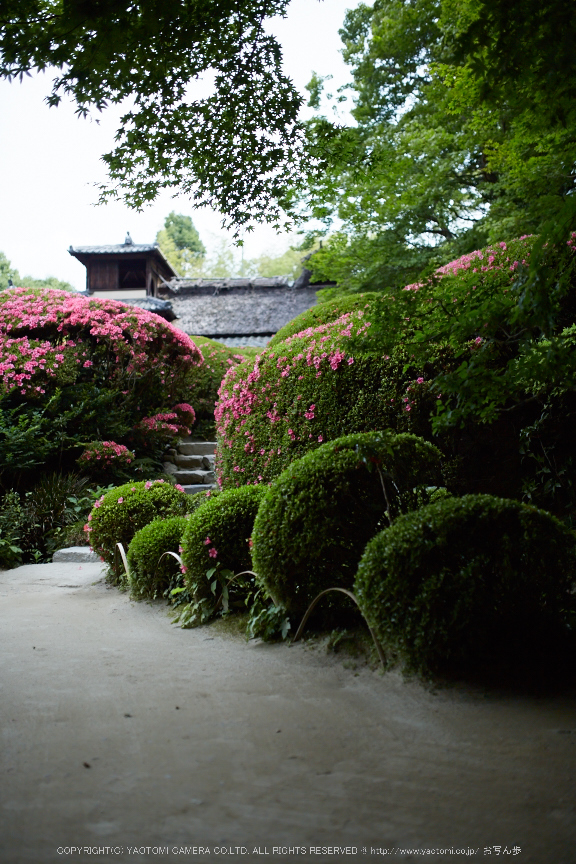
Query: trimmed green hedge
[(200, 498), (468, 583), (150, 577), (317, 517), (323, 313), (217, 536), (120, 513), (302, 393)]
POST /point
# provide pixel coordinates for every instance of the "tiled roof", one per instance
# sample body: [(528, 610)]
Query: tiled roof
[(128, 248), (182, 287), (247, 313)]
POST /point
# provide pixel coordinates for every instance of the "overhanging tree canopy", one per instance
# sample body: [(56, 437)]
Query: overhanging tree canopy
[(237, 149), (466, 133)]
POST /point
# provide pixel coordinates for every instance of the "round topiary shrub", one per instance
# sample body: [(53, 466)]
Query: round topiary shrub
[(468, 582), (120, 513), (217, 537), (200, 498), (317, 517), (151, 577)]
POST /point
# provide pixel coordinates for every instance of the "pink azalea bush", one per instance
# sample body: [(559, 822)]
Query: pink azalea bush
[(335, 376), (167, 425), (103, 456), (97, 365), (309, 389), (51, 337)]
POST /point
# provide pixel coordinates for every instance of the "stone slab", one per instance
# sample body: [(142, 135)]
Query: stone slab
[(75, 553), (198, 476), (190, 462), (197, 448), (192, 488)]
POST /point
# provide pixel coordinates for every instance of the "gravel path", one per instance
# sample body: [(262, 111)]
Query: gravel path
[(133, 740)]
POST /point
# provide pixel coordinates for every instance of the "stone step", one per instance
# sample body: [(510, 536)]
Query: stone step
[(193, 488), (197, 448), (187, 477), (190, 461)]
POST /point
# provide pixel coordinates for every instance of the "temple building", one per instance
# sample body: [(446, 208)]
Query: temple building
[(126, 270), (235, 311)]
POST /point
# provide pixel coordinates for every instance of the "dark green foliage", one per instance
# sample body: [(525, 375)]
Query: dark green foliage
[(203, 393), (120, 513), (152, 54), (317, 517), (151, 577), (223, 526), (43, 519), (469, 583), (322, 313), (465, 134), (13, 520)]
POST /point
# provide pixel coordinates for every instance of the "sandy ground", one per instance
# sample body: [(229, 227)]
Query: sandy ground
[(127, 739)]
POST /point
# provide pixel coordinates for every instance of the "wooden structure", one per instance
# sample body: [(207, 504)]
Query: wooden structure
[(125, 270)]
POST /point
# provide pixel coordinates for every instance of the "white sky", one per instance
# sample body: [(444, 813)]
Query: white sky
[(51, 160)]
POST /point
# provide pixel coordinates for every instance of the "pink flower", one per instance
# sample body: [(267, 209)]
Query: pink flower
[(320, 438), (207, 541), (420, 380), (120, 500), (213, 553)]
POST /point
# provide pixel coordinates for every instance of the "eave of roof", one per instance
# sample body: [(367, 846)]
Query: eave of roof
[(122, 249)]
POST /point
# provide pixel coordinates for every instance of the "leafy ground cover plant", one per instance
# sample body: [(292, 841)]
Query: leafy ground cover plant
[(152, 575), (469, 582), (13, 520), (123, 511), (77, 370), (215, 546), (316, 518), (44, 519)]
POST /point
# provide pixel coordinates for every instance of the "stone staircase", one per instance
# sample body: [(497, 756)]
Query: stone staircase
[(191, 464)]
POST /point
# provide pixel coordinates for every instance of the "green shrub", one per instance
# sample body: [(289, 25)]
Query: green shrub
[(42, 520), (200, 498), (150, 577), (317, 517), (468, 582), (322, 313), (120, 513), (13, 522), (217, 539), (306, 391), (218, 359)]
